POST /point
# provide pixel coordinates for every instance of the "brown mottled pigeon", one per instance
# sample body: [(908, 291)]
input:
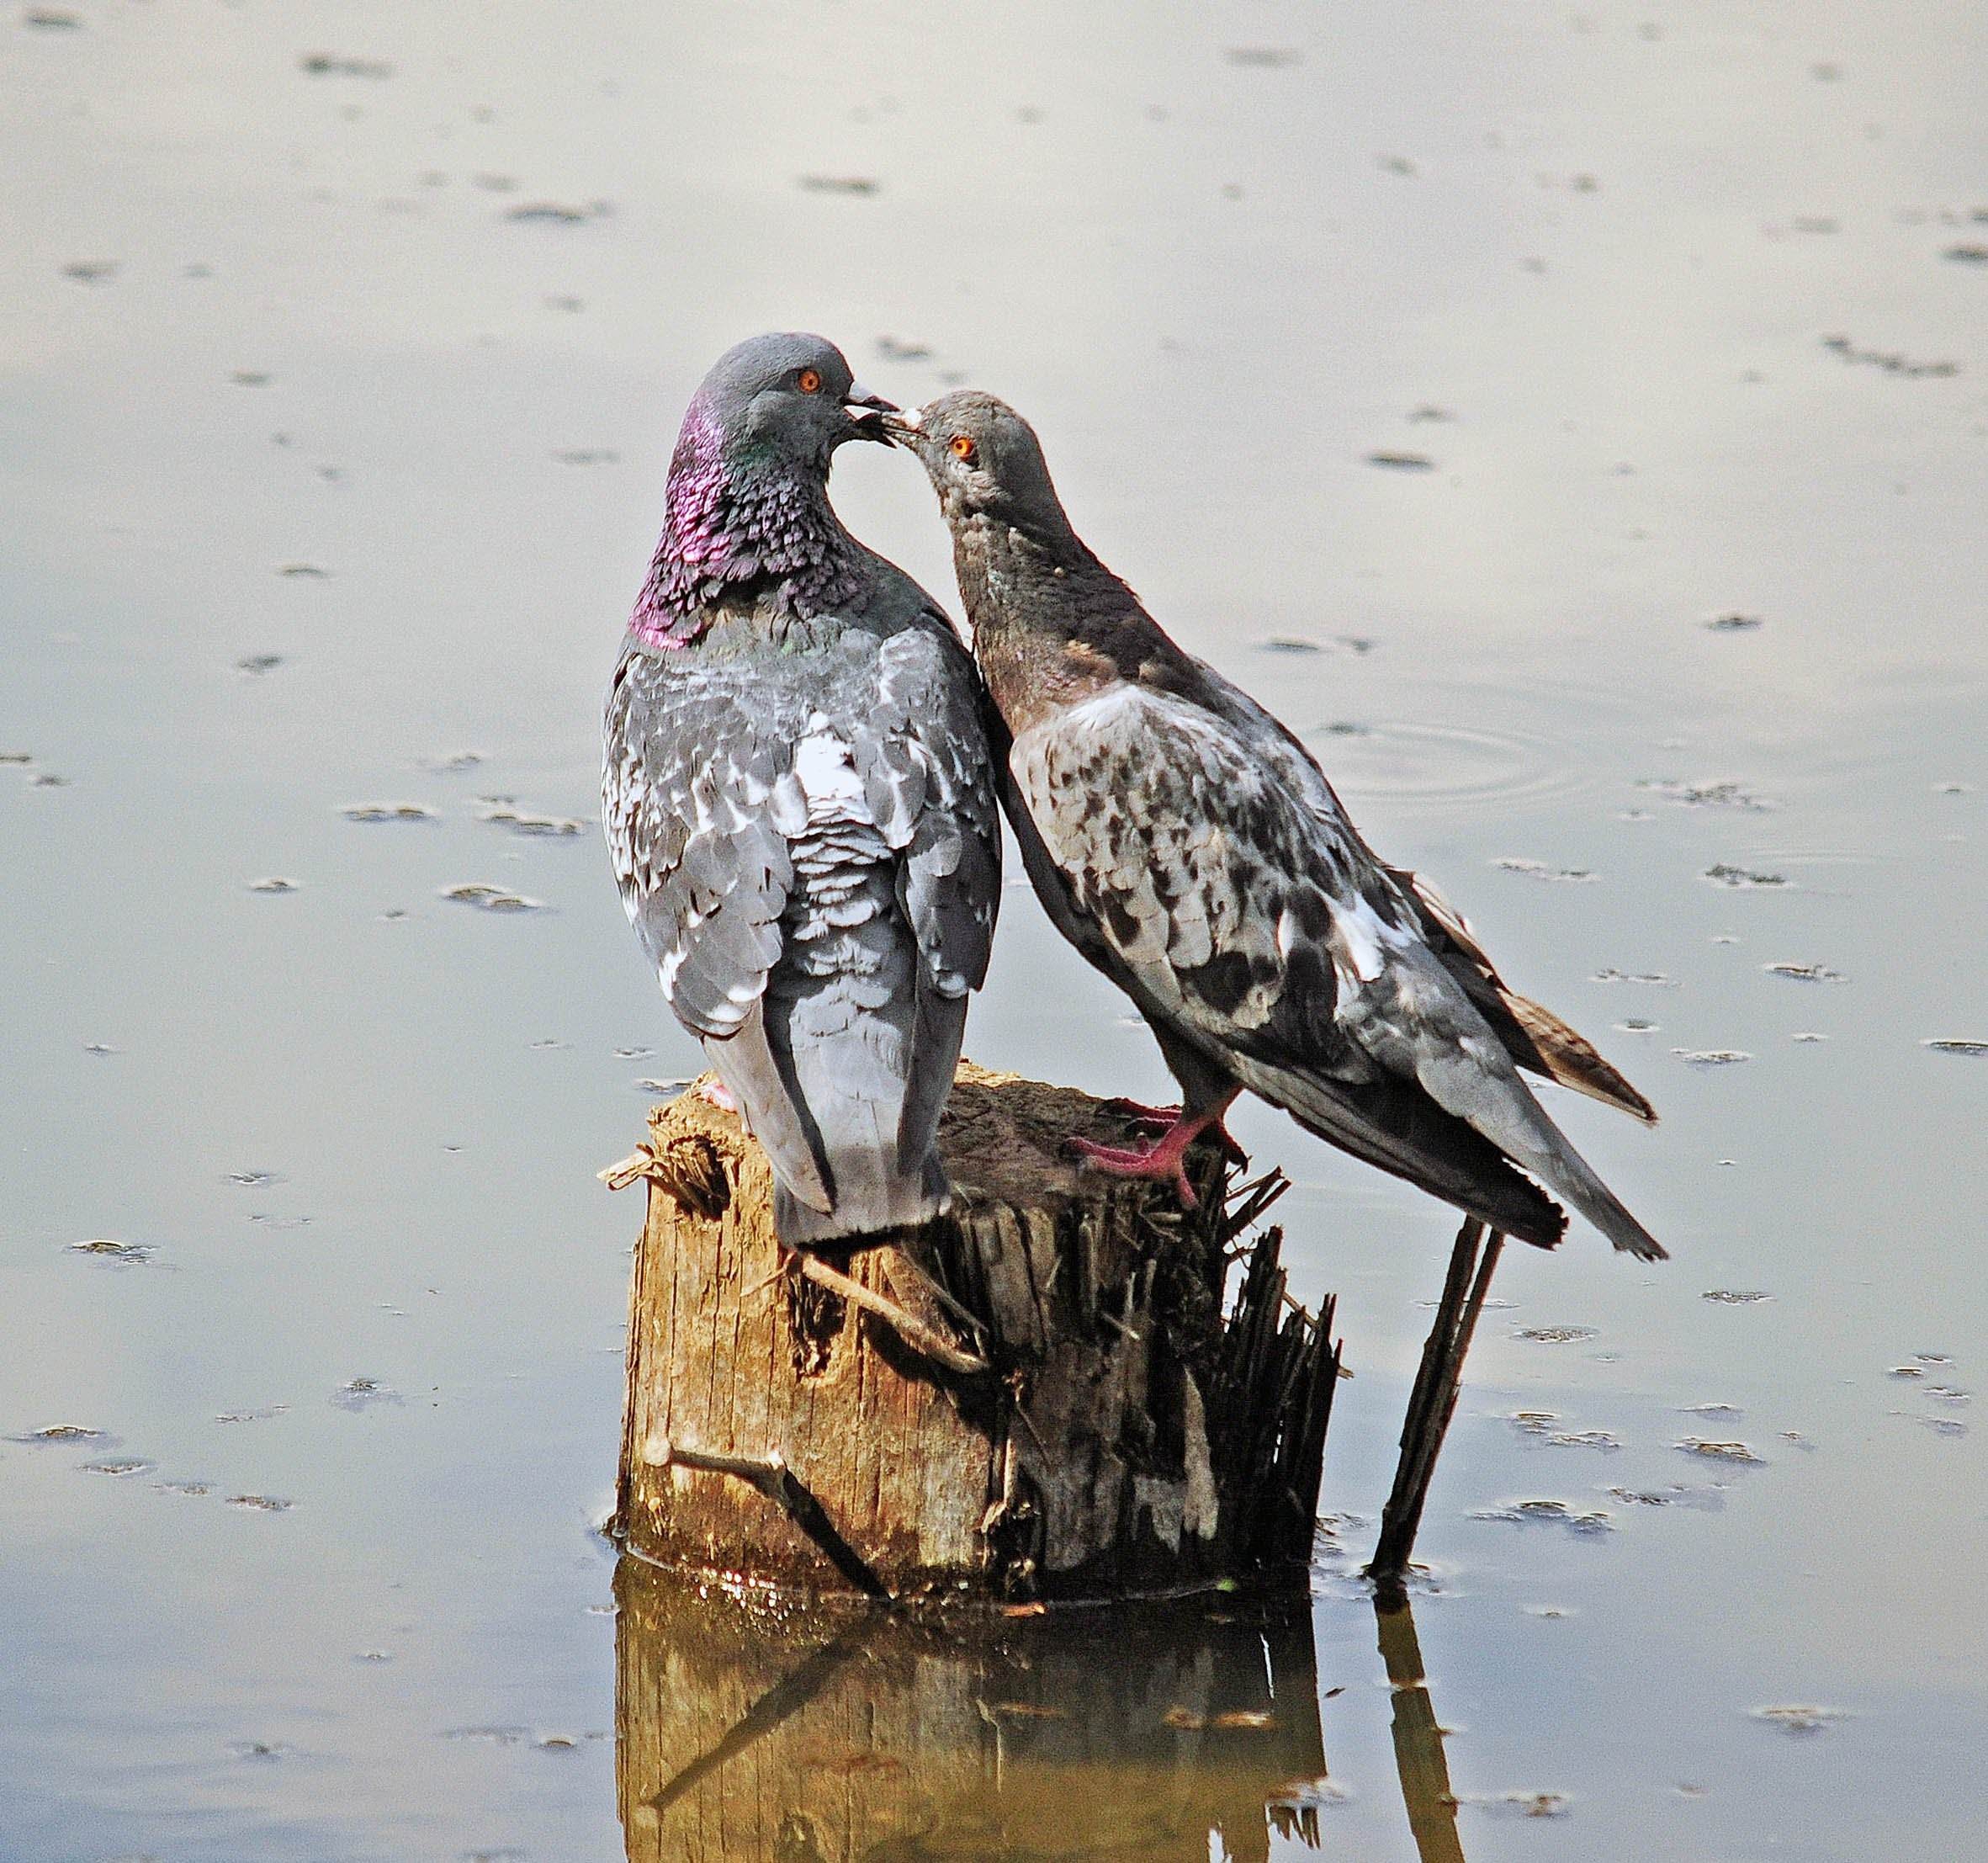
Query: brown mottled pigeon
[(799, 799), (1190, 847)]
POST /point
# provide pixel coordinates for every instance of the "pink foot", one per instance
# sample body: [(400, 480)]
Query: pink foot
[(718, 1094), (1155, 1122), (1161, 1160)]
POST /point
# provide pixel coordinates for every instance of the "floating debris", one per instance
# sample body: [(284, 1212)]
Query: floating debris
[(255, 664), (262, 1415), (259, 1749), (1712, 1410), (1585, 1439), (1967, 255), (1290, 642), (1635, 1025), (1805, 973), (1733, 624), (49, 780), (1403, 462), (838, 184), (1950, 1393), (1956, 1044), (1906, 1370), (1723, 793), (1532, 1423), (261, 1504), (1719, 1452), (588, 456), (90, 270), (362, 1393), (491, 898), (1711, 1057), (253, 1180), (1734, 1297), (1892, 361), (1520, 1804), (332, 65), (1264, 58), (51, 19), (1799, 1720), (1655, 979), (272, 883), (1549, 1513), (505, 809), (1538, 870), (665, 1086), (894, 349), (388, 811), (491, 1736), (308, 571), (1555, 1336), (56, 1434), (1742, 879), (191, 1490), (123, 1466), (128, 1253), (453, 764), (555, 213)]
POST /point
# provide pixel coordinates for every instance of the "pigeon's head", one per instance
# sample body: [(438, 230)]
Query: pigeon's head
[(982, 459), (788, 399)]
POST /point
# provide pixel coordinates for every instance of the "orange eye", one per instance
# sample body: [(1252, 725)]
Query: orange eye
[(963, 448), (809, 381)]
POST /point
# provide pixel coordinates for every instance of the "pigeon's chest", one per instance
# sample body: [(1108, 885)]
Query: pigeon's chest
[(1032, 676)]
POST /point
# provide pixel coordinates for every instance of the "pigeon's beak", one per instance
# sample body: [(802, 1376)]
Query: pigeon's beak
[(901, 427), (867, 412)]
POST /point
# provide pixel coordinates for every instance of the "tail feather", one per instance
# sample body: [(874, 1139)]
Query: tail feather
[(843, 1103), (1396, 1128), (1501, 1107), (1532, 1034)]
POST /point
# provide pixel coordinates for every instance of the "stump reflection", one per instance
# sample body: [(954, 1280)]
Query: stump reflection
[(1135, 1732)]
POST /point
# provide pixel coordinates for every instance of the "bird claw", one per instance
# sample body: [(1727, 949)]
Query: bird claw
[(1156, 1121), (1159, 1163)]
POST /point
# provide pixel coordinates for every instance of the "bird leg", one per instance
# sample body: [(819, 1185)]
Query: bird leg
[(1153, 1121), (1161, 1160)]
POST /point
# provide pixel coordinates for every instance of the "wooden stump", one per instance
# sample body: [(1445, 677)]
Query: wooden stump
[(818, 1737), (1038, 1396)]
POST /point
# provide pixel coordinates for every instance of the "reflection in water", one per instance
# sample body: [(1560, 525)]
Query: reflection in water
[(1164, 1733), (1418, 1755)]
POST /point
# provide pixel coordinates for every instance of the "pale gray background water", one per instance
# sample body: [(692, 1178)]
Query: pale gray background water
[(1607, 242)]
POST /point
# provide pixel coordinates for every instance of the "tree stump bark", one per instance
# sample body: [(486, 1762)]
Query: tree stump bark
[(813, 1736), (1039, 1396)]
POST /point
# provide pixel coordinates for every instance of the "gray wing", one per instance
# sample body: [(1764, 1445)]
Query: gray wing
[(1535, 1038), (776, 895), (688, 794), (928, 779), (1263, 930)]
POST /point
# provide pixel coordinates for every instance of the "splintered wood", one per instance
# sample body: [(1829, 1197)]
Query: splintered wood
[(1039, 1396)]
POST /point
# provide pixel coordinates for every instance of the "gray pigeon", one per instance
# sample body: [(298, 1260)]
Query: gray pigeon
[(799, 799), (1190, 847)]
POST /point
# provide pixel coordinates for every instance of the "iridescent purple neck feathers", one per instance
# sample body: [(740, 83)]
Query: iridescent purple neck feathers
[(740, 523)]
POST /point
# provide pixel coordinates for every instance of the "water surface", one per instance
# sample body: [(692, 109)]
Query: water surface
[(342, 351)]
